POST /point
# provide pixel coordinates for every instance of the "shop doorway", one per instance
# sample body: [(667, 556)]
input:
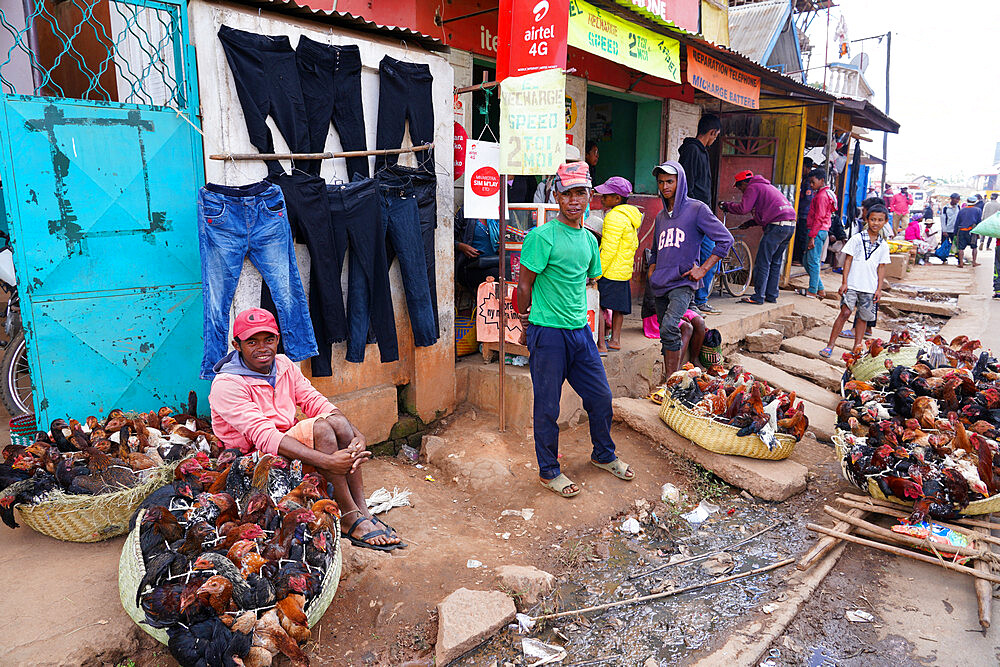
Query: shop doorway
[(626, 130)]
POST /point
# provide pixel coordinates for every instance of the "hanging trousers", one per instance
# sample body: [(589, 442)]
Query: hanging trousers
[(309, 211), (249, 221), (267, 84), (404, 95), (355, 214), (331, 89), (424, 186)]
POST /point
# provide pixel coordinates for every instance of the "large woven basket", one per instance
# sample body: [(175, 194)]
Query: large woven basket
[(83, 518), (872, 367), (131, 570), (721, 438), (984, 506)]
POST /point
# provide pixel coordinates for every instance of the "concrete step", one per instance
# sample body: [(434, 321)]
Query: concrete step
[(807, 347), (919, 306), (777, 377), (822, 421), (814, 370), (822, 334), (768, 480)]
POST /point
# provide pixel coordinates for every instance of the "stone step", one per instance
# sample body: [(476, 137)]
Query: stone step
[(919, 306), (767, 480), (822, 421), (787, 382), (822, 334), (810, 347), (814, 370)]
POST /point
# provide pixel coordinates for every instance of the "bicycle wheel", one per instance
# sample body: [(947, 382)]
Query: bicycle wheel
[(740, 269), (16, 392)]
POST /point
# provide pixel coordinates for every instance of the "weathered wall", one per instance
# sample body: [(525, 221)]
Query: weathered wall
[(429, 371)]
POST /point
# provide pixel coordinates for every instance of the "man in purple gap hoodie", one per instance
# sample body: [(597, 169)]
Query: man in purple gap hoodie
[(674, 271), (772, 211)]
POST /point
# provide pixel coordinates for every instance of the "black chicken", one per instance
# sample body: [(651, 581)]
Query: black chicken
[(27, 491)]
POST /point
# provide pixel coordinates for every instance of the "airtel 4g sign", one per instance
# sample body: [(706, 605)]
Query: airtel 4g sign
[(532, 36)]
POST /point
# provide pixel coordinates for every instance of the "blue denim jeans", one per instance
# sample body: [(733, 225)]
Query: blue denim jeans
[(249, 221), (767, 267), (701, 296), (558, 355), (401, 221), (812, 259)]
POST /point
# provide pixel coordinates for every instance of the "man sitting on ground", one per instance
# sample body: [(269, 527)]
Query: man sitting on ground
[(254, 399)]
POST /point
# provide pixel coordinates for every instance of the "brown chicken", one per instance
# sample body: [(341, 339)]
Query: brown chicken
[(292, 616), (239, 550), (327, 515), (304, 495), (279, 545), (216, 592), (925, 411), (796, 424), (269, 635)]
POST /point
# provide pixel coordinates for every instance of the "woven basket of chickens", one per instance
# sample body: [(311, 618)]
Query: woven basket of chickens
[(982, 506), (871, 367), (83, 518), (131, 571), (721, 438)]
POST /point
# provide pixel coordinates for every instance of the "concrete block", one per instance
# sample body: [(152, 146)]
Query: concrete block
[(768, 480), (814, 370), (372, 411), (787, 382), (764, 340), (467, 618), (897, 266)]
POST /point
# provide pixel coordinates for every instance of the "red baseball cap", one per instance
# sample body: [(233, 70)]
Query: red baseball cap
[(743, 175), (253, 321)]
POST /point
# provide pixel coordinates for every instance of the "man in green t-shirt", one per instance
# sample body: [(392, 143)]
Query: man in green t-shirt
[(557, 260)]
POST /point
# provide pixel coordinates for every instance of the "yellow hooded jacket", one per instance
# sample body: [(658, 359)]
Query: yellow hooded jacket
[(619, 241)]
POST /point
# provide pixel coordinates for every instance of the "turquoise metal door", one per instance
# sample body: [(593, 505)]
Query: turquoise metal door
[(100, 176)]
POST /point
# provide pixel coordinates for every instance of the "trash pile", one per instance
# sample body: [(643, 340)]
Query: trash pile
[(926, 433), (737, 399), (234, 555), (96, 458)]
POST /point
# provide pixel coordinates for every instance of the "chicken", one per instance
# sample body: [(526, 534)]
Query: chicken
[(162, 605), (29, 491), (925, 411), (796, 424), (303, 495), (327, 515), (159, 529), (269, 635), (279, 545), (248, 593), (292, 616)]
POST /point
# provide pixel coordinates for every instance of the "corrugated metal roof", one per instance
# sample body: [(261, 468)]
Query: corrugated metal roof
[(754, 28), (347, 20)]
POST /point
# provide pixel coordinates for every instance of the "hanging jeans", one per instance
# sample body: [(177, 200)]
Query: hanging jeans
[(811, 260), (267, 84), (701, 295), (331, 88), (424, 186), (767, 267), (404, 95), (249, 221), (400, 220), (355, 214), (558, 355), (309, 212)]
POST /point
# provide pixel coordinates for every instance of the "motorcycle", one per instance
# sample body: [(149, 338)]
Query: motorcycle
[(15, 378)]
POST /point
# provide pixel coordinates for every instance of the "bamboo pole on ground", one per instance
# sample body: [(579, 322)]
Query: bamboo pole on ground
[(984, 589), (826, 544), (899, 514), (899, 551)]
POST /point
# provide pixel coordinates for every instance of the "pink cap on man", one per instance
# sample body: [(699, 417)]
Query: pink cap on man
[(253, 321)]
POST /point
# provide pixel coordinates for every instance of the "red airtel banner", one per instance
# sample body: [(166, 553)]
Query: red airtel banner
[(532, 36)]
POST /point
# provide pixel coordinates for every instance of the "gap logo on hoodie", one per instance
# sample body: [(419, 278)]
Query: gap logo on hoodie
[(671, 238)]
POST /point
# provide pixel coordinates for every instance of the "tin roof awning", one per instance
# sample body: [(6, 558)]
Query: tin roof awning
[(347, 20), (865, 114)]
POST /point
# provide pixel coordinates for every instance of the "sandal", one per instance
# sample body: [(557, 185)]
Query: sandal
[(847, 333), (614, 347), (750, 299), (559, 486), (802, 291), (618, 468), (360, 541), (390, 532), (826, 352)]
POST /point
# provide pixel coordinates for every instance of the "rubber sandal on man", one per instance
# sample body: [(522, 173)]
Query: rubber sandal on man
[(390, 532), (618, 468), (826, 352), (847, 333), (750, 299), (360, 541), (559, 485)]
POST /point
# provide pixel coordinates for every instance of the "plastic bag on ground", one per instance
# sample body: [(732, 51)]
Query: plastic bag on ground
[(538, 653)]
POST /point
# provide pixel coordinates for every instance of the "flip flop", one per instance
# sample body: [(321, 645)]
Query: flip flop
[(614, 347), (750, 299), (360, 541), (390, 532), (618, 468), (847, 333), (603, 353), (559, 485), (826, 352)]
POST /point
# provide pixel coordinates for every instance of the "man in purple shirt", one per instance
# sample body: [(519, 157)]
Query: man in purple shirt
[(674, 270), (772, 211)]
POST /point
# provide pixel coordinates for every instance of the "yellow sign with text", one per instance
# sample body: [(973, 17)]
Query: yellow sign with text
[(606, 35), (533, 123)]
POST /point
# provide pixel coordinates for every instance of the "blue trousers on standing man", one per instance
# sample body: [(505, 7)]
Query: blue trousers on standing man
[(559, 355), (767, 267)]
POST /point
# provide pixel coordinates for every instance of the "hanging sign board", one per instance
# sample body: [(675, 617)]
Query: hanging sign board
[(720, 80), (606, 35), (532, 36), (461, 138), (482, 180), (533, 123)]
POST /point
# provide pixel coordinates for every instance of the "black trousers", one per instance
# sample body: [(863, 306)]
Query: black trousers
[(423, 184), (404, 95), (267, 84), (331, 88), (309, 212)]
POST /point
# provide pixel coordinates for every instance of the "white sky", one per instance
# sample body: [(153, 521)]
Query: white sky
[(942, 79)]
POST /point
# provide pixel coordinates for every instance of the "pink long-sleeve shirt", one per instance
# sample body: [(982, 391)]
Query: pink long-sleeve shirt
[(821, 209), (249, 414)]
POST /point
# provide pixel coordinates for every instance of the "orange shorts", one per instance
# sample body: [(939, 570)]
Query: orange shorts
[(303, 430)]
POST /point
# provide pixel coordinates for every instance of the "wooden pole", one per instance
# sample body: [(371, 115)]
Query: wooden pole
[(503, 297), (899, 551), (984, 589), (826, 544), (803, 130), (319, 156)]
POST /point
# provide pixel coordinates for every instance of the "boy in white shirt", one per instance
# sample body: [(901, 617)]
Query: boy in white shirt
[(864, 270)]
